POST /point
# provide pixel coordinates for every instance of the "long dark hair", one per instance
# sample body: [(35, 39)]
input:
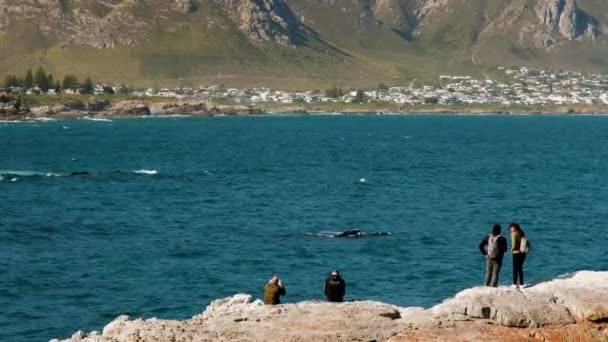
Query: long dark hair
[(518, 228)]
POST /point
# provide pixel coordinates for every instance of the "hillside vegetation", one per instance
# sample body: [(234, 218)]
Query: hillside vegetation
[(297, 43)]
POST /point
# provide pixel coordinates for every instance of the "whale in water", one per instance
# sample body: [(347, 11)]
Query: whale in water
[(354, 233)]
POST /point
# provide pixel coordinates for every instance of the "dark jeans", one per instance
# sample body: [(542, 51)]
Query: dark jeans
[(492, 270), (518, 268)]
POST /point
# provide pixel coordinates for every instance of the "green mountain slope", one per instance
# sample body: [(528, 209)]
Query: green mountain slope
[(297, 43)]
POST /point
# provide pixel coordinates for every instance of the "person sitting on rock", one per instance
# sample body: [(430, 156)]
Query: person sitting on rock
[(335, 287), (493, 247), (273, 291)]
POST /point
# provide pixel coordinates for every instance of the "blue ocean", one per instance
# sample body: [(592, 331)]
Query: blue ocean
[(157, 217)]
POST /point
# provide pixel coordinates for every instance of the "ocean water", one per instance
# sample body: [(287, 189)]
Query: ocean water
[(174, 213)]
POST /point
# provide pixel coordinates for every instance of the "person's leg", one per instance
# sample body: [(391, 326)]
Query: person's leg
[(495, 272), (522, 259), (515, 269), (489, 272)]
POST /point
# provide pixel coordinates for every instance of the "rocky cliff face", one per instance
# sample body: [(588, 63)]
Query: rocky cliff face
[(563, 19), (571, 308), (108, 24), (265, 20), (546, 24)]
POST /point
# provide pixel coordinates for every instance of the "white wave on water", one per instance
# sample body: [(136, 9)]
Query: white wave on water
[(168, 116), (326, 234), (88, 118), (362, 180), (10, 121), (30, 173), (42, 119), (146, 172)]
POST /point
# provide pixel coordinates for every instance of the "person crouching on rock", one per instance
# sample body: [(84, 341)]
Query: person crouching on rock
[(335, 287), (493, 247), (273, 291)]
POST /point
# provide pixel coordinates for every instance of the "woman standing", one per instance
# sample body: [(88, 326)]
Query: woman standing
[(518, 249)]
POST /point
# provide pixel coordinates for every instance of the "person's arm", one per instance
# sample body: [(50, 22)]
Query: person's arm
[(503, 245), (482, 245), (343, 288), (325, 287), (513, 241)]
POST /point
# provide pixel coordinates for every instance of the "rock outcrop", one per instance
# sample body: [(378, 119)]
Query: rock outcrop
[(576, 298), (10, 106), (175, 108), (128, 108), (564, 20), (572, 306), (186, 6), (265, 20), (74, 110)]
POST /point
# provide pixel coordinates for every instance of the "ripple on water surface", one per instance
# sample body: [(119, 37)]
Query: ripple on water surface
[(158, 217)]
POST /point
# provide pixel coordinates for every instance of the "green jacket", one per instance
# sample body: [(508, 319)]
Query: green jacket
[(272, 292), (516, 242)]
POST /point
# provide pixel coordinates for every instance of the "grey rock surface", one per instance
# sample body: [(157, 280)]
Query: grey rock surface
[(575, 300)]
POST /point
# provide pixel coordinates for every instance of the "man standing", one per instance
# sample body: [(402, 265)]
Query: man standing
[(493, 247), (335, 287)]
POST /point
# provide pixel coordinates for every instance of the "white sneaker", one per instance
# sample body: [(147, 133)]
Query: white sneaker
[(515, 286)]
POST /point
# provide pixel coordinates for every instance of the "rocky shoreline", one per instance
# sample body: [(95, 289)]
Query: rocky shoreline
[(122, 109), (12, 110), (570, 308), (104, 109)]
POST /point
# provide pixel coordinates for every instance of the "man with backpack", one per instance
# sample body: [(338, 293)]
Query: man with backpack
[(493, 247)]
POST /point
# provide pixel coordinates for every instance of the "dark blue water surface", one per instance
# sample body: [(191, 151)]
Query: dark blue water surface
[(234, 197)]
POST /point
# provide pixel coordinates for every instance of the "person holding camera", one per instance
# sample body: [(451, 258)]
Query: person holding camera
[(273, 290)]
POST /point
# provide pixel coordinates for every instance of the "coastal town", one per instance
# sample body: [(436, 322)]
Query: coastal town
[(521, 86), (517, 87)]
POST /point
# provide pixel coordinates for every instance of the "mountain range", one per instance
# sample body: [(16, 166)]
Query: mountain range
[(299, 43)]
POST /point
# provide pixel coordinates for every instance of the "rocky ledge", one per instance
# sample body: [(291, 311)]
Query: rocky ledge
[(572, 308), (133, 108)]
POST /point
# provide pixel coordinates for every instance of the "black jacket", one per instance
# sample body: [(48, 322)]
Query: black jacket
[(335, 289), (502, 247)]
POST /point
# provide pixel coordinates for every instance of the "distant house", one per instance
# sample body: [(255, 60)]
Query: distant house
[(242, 99)]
